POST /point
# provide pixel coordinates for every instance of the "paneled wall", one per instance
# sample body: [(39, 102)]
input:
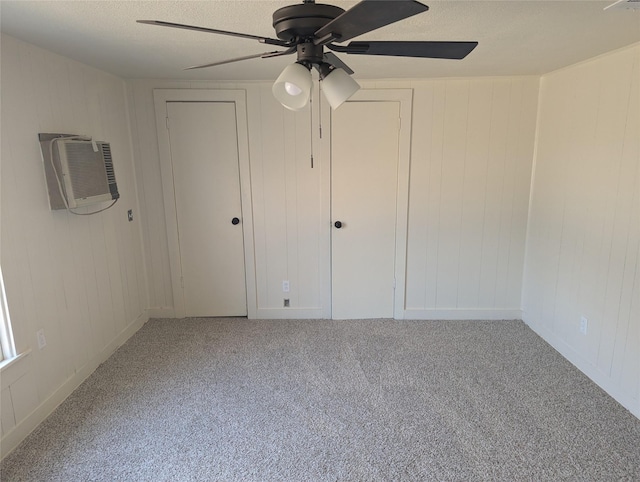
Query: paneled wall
[(290, 221), (81, 279), (469, 192), (471, 154), (584, 234)]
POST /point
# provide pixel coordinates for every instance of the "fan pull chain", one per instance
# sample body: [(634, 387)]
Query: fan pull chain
[(311, 126), (320, 108)]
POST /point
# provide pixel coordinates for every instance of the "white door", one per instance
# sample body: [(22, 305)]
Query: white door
[(206, 180), (364, 182)]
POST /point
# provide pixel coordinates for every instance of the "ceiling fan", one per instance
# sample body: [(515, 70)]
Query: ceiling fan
[(307, 28)]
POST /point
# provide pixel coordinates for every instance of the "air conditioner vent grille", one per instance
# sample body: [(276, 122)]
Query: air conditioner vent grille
[(86, 170)]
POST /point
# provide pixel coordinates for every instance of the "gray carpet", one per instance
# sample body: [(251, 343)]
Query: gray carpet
[(233, 399)]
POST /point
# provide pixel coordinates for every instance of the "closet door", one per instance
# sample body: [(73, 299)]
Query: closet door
[(365, 137), (206, 183)]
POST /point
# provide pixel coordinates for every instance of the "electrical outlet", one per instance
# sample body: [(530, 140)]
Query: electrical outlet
[(285, 286), (42, 341), (286, 302), (130, 215), (583, 325)]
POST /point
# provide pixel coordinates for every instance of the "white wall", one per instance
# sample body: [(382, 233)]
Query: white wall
[(470, 175), (472, 148), (79, 278), (584, 230)]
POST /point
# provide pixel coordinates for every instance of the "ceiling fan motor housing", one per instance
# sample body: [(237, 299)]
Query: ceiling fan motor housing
[(300, 22)]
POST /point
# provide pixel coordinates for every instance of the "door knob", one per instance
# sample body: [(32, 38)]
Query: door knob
[(338, 224), (235, 221)]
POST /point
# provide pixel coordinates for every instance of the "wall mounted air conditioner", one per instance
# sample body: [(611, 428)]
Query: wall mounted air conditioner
[(82, 169)]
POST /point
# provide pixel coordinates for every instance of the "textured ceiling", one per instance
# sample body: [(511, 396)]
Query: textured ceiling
[(515, 37)]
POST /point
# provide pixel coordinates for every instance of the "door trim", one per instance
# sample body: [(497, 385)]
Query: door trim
[(238, 98), (405, 98)]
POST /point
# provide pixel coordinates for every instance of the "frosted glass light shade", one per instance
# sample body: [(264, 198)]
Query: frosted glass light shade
[(293, 87), (338, 86)]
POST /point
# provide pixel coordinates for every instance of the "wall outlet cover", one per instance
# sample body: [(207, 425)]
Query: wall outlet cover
[(584, 323), (42, 341)]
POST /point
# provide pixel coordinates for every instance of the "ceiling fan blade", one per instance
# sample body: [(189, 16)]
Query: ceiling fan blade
[(331, 58), (431, 50), (368, 15), (263, 55), (264, 40)]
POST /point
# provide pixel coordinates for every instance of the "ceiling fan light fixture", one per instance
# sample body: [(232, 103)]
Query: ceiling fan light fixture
[(338, 86), (293, 87)]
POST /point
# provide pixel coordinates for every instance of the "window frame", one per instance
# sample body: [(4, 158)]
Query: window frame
[(7, 342)]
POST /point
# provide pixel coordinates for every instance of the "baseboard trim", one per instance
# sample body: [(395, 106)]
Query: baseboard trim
[(463, 314), (581, 363), (409, 314), (289, 313), (23, 428)]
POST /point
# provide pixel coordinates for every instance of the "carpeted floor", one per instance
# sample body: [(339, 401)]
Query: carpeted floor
[(234, 399)]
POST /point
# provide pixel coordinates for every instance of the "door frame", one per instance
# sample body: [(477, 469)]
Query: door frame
[(238, 98), (405, 98)]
